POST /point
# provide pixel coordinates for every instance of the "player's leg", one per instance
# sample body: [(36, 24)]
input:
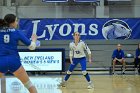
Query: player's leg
[(85, 73), (124, 65), (71, 68), (113, 63), (23, 77), (17, 69), (1, 75), (83, 67), (139, 65), (67, 76), (3, 65), (136, 65)]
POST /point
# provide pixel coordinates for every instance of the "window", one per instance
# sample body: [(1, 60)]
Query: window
[(86, 0)]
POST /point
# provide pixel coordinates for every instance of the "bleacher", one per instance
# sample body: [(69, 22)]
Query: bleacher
[(101, 52), (129, 58)]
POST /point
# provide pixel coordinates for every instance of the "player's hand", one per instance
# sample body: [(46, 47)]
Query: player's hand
[(115, 58), (90, 61), (34, 37)]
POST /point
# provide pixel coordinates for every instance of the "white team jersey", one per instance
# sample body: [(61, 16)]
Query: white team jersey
[(78, 51)]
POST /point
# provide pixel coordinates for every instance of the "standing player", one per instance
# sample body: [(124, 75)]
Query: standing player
[(9, 57), (77, 55)]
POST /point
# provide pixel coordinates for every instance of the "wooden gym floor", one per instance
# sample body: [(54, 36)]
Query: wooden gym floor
[(76, 84)]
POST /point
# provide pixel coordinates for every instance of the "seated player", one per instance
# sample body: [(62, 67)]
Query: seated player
[(118, 56)]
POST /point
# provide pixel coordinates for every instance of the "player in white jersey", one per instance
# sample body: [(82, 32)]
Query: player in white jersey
[(77, 55)]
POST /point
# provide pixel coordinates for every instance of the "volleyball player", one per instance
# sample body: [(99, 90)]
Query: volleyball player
[(137, 60), (9, 57), (77, 55)]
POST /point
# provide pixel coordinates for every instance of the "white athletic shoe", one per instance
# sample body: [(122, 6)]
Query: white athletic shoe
[(62, 84), (114, 73), (123, 72), (90, 85), (136, 71)]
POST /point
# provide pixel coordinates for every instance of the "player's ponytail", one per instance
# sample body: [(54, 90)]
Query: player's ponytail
[(9, 18), (3, 23)]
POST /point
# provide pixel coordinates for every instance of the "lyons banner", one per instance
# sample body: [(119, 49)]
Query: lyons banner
[(89, 28)]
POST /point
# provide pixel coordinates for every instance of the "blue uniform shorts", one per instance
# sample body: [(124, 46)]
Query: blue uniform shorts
[(9, 63), (82, 62)]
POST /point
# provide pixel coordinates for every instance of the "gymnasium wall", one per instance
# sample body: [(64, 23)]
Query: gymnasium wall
[(38, 9), (101, 50)]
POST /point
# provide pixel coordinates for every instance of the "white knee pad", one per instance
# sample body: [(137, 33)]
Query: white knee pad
[(28, 84), (68, 72), (84, 72)]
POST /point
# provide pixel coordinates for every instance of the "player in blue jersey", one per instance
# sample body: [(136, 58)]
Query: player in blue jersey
[(9, 57), (137, 60), (118, 56), (77, 55)]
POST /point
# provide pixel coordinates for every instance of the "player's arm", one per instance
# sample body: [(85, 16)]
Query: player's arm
[(123, 55), (31, 44), (88, 51), (114, 55), (137, 53), (70, 53), (89, 58)]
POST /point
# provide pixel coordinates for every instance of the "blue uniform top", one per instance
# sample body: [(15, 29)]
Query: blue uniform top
[(137, 53), (118, 54), (9, 38)]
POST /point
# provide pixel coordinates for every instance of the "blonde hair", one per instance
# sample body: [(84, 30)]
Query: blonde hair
[(75, 32)]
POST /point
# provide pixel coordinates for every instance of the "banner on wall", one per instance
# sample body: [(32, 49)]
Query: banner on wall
[(43, 59), (89, 28)]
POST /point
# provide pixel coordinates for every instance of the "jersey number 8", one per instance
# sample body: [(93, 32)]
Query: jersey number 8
[(6, 38)]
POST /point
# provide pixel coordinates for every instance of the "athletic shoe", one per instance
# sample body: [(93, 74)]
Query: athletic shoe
[(62, 84), (90, 85), (136, 71), (123, 72), (113, 73)]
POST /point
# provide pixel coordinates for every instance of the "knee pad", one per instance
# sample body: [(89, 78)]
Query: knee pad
[(28, 84), (84, 72), (68, 72)]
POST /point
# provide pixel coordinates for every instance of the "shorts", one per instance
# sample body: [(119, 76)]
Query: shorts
[(118, 62), (9, 63), (82, 62)]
